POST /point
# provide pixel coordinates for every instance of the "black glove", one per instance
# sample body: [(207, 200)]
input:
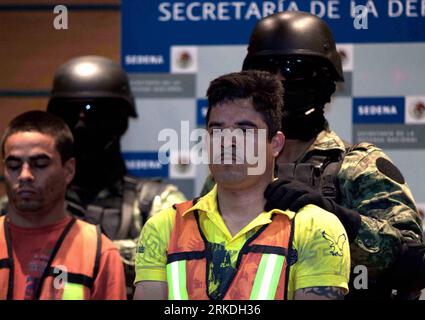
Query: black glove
[(295, 195), (408, 271)]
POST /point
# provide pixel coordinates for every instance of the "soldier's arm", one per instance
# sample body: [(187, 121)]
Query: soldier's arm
[(371, 185)]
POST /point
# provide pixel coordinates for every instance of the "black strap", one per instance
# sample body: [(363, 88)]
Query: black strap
[(76, 278), (82, 279), (256, 248), (98, 252), (129, 196), (192, 255), (10, 260), (208, 255), (291, 255), (4, 264), (52, 257)]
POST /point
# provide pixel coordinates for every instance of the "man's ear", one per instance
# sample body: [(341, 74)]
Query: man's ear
[(69, 167), (278, 141)]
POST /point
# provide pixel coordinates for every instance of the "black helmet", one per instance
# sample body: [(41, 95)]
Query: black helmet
[(92, 77), (295, 34)]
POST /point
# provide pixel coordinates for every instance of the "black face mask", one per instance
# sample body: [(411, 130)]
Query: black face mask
[(92, 141), (304, 101), (98, 157), (95, 123), (97, 136)]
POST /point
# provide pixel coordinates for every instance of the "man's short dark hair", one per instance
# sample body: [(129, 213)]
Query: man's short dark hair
[(263, 88), (45, 123)]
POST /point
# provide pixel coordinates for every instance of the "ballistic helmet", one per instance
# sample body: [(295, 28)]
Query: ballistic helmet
[(89, 78), (298, 34)]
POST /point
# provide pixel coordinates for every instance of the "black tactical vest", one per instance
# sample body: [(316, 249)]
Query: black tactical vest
[(319, 171)]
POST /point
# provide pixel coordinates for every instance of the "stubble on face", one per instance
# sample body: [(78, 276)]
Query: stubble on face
[(238, 114), (45, 185)]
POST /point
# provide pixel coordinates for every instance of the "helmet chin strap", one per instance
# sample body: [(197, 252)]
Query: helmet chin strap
[(303, 126), (303, 111)]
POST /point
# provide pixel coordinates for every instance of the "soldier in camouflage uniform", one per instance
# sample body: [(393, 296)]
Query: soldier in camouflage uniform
[(92, 95), (359, 183)]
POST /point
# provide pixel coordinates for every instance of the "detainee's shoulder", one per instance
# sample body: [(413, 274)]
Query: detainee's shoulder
[(317, 230)]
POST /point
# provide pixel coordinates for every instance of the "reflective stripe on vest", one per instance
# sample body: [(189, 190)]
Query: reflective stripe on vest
[(267, 277), (176, 272), (73, 291), (262, 268), (265, 283)]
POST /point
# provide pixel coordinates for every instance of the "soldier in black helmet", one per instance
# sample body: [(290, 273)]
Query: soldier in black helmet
[(92, 95), (358, 183)]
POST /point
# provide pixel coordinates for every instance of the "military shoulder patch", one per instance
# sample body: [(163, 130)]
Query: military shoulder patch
[(388, 169)]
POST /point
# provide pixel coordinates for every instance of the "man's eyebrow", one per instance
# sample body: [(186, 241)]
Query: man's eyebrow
[(246, 123), (215, 124), (42, 156)]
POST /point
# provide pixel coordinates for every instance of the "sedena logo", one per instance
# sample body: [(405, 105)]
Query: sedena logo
[(377, 110), (144, 59)]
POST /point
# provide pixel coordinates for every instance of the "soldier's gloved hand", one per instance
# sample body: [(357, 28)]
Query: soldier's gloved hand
[(294, 195), (408, 271)]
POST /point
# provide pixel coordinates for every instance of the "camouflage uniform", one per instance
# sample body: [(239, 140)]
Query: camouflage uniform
[(387, 207)]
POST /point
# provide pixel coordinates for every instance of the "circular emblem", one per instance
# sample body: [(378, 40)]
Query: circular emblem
[(184, 60), (417, 110)]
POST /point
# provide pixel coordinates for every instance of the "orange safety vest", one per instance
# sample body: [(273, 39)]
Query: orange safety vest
[(262, 269), (71, 270)]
